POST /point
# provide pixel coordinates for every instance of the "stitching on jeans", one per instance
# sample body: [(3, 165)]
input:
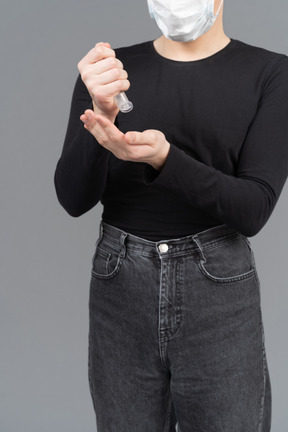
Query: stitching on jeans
[(229, 279), (222, 240), (201, 266), (161, 341), (199, 245), (261, 411), (110, 275), (111, 240)]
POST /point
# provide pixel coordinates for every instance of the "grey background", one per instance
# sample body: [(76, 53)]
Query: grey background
[(45, 253)]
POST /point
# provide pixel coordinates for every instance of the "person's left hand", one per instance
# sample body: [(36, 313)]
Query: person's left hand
[(149, 146)]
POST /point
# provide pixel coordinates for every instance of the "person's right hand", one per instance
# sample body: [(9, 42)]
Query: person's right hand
[(104, 78)]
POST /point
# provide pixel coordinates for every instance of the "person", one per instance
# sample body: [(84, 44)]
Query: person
[(185, 178)]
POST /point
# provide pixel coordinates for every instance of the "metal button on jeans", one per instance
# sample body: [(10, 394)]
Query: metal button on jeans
[(163, 248)]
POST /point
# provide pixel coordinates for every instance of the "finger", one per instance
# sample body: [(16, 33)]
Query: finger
[(132, 138), (102, 52), (107, 44), (112, 89), (112, 76), (96, 54), (88, 119), (111, 130), (108, 64), (84, 118), (95, 128), (139, 138)]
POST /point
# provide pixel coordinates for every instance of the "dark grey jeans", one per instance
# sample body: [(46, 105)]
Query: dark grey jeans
[(175, 328)]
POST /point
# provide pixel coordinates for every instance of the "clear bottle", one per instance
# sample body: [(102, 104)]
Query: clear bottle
[(123, 102)]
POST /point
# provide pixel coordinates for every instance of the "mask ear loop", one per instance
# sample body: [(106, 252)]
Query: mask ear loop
[(219, 8), (151, 12)]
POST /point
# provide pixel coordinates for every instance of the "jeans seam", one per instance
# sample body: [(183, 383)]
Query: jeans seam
[(90, 381), (264, 365), (218, 242), (168, 418)]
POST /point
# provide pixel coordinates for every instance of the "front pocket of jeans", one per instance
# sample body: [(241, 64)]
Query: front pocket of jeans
[(228, 261), (106, 263)]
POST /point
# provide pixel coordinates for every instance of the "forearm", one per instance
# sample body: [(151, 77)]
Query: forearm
[(243, 203), (80, 175)]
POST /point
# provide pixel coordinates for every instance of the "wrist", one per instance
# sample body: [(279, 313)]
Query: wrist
[(97, 110), (159, 163)]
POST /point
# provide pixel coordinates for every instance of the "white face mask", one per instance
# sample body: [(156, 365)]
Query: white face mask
[(183, 20)]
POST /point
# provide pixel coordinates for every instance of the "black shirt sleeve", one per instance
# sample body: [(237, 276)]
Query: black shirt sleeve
[(244, 201), (81, 171)]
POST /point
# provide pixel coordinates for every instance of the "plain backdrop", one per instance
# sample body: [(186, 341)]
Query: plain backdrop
[(45, 253)]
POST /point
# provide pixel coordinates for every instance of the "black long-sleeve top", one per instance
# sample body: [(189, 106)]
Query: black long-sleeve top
[(226, 118)]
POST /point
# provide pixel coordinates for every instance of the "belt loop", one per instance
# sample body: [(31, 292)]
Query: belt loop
[(122, 243), (196, 240)]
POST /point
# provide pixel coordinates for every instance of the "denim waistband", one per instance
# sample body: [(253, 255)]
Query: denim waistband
[(202, 240)]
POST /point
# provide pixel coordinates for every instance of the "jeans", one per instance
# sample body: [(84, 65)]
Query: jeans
[(176, 334)]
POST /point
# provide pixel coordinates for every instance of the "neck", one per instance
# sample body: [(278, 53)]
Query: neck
[(206, 45)]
